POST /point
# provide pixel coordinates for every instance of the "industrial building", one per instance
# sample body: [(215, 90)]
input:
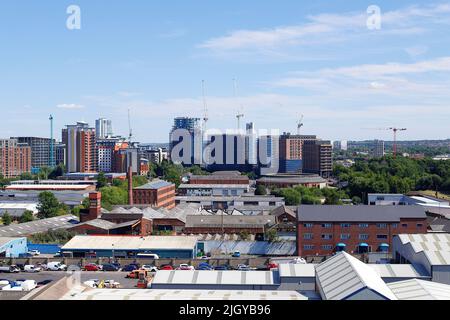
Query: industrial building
[(355, 229), (38, 226), (157, 193), (431, 251), (290, 181), (16, 209), (212, 189), (225, 202), (12, 247), (130, 246), (51, 185)]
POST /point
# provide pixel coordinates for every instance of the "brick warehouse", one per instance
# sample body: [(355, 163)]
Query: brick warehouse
[(325, 229), (157, 193)]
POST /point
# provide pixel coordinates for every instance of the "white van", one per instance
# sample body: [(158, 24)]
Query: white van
[(28, 285), (56, 266), (31, 268)]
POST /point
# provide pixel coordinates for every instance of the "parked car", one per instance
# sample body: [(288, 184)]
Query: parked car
[(130, 267), (185, 266), (56, 266), (43, 283), (110, 267), (9, 269), (92, 283), (205, 266), (223, 267), (92, 267), (236, 254), (166, 267), (272, 265), (243, 267), (34, 252), (149, 267), (298, 261), (32, 268), (110, 284)]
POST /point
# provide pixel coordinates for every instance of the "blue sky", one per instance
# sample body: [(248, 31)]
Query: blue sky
[(293, 57)]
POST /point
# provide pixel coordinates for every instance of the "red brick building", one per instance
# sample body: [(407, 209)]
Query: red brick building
[(220, 178), (359, 229), (156, 193), (15, 158)]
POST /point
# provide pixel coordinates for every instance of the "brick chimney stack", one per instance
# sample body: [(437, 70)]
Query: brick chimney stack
[(130, 185), (95, 207)]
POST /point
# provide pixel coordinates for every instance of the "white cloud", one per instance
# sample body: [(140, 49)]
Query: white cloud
[(70, 106)]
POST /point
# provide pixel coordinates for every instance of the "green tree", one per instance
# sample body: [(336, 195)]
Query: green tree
[(48, 205), (244, 235), (27, 216), (260, 190), (7, 219), (58, 171), (356, 200), (113, 196), (102, 181), (271, 235)]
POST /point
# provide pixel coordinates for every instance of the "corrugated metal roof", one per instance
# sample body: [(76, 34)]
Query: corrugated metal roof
[(416, 289), (213, 277), (343, 275), (131, 243), (6, 240), (400, 270), (297, 270), (362, 213), (37, 226), (435, 246), (228, 220), (164, 294)]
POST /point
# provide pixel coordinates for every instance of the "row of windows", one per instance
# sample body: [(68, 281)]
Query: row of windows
[(360, 225), (324, 247), (343, 236)]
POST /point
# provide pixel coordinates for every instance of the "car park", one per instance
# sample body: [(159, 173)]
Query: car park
[(110, 267), (32, 268), (205, 266)]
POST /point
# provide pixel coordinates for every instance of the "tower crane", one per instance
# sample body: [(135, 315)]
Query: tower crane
[(394, 130), (130, 130), (205, 107), (240, 113), (300, 124)]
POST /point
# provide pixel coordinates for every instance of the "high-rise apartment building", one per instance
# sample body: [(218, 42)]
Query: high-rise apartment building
[(251, 144), (192, 127), (81, 151), (106, 150), (291, 152), (40, 150), (378, 149), (60, 154), (15, 158), (103, 128), (318, 157)]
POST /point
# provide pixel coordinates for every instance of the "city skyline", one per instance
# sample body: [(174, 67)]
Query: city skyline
[(280, 54)]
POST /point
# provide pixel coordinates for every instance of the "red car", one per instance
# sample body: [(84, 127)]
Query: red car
[(92, 267), (272, 265), (166, 267)]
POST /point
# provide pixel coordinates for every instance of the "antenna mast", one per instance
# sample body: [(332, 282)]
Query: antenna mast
[(52, 148), (130, 130)]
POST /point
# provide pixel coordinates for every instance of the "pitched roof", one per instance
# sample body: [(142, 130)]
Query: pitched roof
[(282, 210), (416, 289), (317, 213), (228, 221), (155, 185), (435, 246), (342, 275)]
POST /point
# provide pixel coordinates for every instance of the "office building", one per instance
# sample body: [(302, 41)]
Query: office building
[(81, 151), (291, 152), (15, 158), (103, 128)]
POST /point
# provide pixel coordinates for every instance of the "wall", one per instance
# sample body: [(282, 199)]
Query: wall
[(14, 247)]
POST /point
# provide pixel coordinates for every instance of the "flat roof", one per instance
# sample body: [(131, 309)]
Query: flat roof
[(348, 213), (165, 294), (38, 226), (48, 187), (213, 277), (131, 243), (415, 289), (293, 180), (231, 198)]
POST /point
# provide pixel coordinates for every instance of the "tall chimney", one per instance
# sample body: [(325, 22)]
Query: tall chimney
[(130, 186)]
